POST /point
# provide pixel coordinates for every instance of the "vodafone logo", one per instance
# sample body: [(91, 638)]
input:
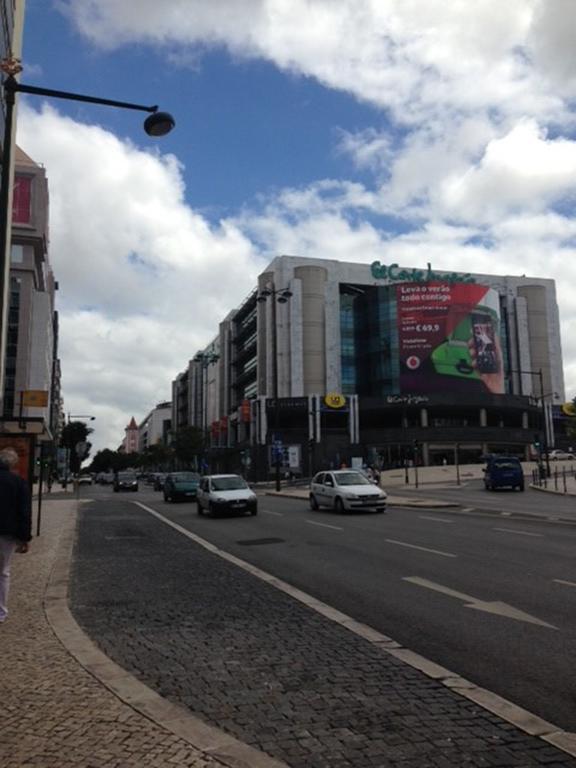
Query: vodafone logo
[(413, 362)]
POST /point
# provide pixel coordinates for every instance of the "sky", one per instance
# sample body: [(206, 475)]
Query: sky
[(408, 131)]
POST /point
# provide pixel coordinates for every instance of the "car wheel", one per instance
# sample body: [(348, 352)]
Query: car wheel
[(338, 505), (199, 510), (313, 502), (212, 509), (521, 487), (254, 511)]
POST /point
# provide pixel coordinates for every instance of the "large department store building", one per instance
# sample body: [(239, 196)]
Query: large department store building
[(376, 363)]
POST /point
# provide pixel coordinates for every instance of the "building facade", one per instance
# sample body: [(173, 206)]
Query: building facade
[(130, 441), (329, 362), (155, 428), (31, 362)]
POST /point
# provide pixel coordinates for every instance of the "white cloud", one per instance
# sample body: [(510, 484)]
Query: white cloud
[(144, 279), (415, 57)]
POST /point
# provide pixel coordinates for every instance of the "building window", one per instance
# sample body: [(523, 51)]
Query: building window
[(17, 254)]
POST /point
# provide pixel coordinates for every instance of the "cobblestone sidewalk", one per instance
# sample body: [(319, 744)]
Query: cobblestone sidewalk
[(53, 713)]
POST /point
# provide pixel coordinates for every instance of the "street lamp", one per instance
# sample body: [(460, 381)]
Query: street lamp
[(205, 359), (544, 415), (156, 124), (280, 296)]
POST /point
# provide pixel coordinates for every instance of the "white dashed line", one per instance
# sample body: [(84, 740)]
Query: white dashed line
[(325, 525), (269, 512), (423, 549), (520, 533), (436, 519)]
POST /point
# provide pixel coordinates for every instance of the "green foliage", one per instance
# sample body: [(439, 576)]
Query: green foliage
[(188, 444), (113, 461), (75, 432)]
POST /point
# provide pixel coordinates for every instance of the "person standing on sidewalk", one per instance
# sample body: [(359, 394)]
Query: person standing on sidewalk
[(15, 520)]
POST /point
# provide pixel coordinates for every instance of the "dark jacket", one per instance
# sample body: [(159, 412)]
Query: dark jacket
[(15, 506)]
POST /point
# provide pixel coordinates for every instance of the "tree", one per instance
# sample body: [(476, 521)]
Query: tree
[(157, 455), (188, 444), (73, 433), (112, 461)]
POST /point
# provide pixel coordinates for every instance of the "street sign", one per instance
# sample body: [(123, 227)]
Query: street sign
[(34, 398)]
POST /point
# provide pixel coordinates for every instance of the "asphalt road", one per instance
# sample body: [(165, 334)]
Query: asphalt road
[(472, 494), (492, 599)]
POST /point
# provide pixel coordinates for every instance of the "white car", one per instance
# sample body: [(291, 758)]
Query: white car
[(219, 494), (558, 455), (346, 490)]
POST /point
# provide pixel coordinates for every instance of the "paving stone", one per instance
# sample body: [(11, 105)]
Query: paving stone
[(53, 713)]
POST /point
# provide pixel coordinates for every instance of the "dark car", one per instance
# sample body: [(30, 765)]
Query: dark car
[(125, 481), (503, 472), (158, 482), (181, 485)]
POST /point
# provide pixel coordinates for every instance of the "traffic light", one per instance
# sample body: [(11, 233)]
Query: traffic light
[(537, 442)]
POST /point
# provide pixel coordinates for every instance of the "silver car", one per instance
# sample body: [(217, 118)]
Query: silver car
[(220, 494), (346, 490)]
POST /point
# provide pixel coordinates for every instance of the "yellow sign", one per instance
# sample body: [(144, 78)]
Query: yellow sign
[(569, 409), (334, 400), (34, 398)]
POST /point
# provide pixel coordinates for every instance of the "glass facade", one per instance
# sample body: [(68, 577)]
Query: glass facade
[(369, 340)]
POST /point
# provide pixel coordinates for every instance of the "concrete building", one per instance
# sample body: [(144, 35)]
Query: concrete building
[(130, 441), (155, 428), (31, 363), (330, 361)]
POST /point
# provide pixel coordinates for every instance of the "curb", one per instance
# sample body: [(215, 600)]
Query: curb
[(551, 490), (208, 740)]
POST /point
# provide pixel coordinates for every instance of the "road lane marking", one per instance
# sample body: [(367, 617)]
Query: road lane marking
[(324, 525), (269, 512), (520, 533), (567, 583), (436, 519), (496, 607), (423, 549)]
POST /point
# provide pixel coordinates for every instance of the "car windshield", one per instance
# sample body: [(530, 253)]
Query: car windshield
[(185, 477), (228, 483), (126, 476), (505, 464), (351, 478)]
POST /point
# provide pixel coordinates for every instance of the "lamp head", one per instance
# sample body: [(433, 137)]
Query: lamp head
[(159, 124)]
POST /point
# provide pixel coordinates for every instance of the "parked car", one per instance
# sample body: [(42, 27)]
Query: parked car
[(125, 481), (558, 455), (503, 472), (181, 485), (85, 479), (346, 490), (105, 478), (218, 494)]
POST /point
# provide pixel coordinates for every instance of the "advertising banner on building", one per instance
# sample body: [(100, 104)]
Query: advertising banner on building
[(449, 338)]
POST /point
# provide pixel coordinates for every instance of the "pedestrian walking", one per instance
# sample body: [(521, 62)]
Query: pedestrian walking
[(15, 520)]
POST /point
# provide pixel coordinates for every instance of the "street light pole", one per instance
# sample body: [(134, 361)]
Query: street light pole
[(280, 296), (156, 124), (545, 446)]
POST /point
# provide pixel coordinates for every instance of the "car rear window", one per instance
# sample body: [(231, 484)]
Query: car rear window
[(351, 478), (228, 483)]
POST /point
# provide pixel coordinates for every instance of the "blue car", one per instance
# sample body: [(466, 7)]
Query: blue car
[(503, 472)]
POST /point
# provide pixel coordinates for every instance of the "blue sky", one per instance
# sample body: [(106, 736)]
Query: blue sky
[(403, 130)]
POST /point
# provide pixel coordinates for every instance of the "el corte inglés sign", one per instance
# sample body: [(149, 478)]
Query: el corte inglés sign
[(394, 274)]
